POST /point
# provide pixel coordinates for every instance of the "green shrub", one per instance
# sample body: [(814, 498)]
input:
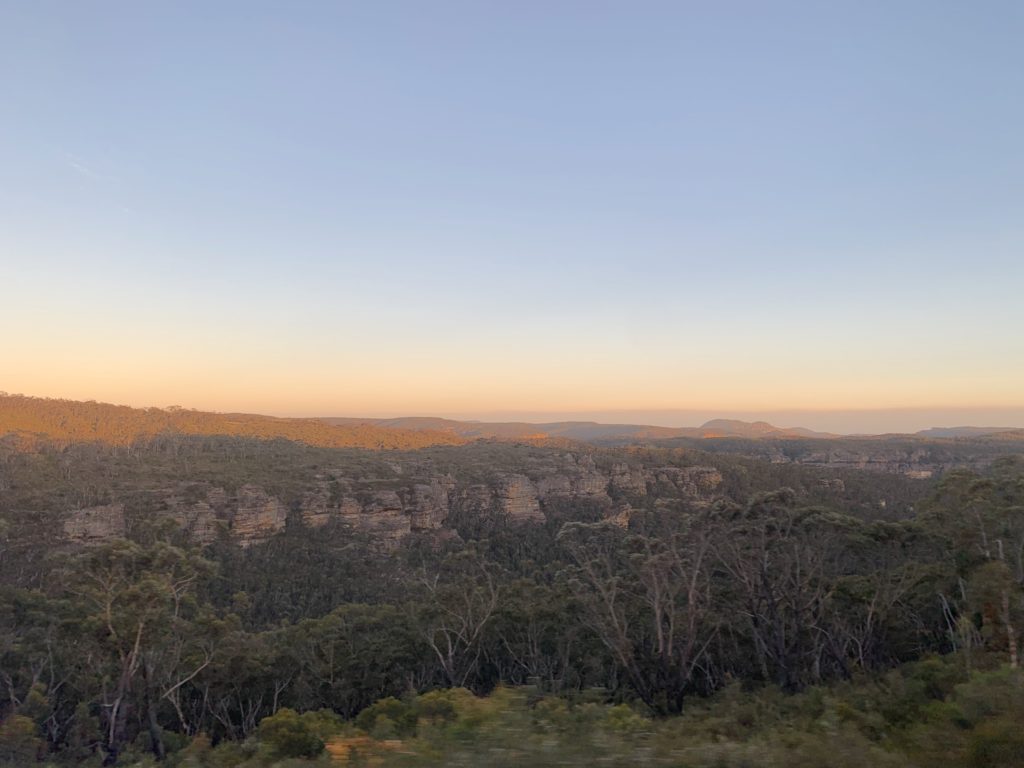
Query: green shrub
[(287, 734), (19, 741), (997, 743), (387, 719)]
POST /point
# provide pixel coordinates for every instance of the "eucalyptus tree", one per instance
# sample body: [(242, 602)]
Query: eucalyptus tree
[(648, 596)]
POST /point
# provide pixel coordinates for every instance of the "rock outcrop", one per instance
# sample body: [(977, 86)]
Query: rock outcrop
[(93, 525), (688, 481), (430, 503), (249, 516), (517, 498), (257, 515), (401, 499), (628, 480), (917, 460), (198, 520)]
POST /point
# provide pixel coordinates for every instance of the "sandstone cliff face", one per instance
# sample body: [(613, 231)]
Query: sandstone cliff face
[(628, 480), (688, 481), (404, 499), (430, 503), (898, 462), (384, 515), (93, 525), (257, 515), (381, 513), (249, 516), (621, 515), (578, 478), (920, 462), (317, 506), (517, 498), (198, 520)]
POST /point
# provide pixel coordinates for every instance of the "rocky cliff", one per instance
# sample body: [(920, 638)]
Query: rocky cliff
[(408, 498), (95, 524)]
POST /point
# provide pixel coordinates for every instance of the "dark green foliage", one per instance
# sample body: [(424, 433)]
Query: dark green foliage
[(286, 733), (20, 743), (387, 719)]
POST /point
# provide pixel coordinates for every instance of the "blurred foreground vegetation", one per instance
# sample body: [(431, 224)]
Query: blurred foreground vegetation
[(922, 714)]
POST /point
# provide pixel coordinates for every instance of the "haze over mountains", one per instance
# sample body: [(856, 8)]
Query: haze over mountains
[(964, 431), (582, 430)]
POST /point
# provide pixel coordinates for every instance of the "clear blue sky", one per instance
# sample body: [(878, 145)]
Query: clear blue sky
[(469, 207)]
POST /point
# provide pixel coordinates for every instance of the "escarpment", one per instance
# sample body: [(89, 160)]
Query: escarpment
[(96, 524), (398, 500)]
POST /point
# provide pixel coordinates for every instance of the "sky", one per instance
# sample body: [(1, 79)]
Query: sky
[(543, 209)]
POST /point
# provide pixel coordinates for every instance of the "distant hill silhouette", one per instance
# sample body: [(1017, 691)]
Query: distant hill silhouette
[(581, 430), (754, 430), (76, 421), (964, 431)]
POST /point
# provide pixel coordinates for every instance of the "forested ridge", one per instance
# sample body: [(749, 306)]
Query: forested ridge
[(780, 622), (70, 421)]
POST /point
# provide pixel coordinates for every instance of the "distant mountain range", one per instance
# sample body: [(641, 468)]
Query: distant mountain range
[(964, 431), (75, 421), (582, 430), (593, 430)]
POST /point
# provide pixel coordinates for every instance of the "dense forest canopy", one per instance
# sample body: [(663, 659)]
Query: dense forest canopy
[(320, 642)]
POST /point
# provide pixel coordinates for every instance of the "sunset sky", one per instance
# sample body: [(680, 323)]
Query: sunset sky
[(633, 210)]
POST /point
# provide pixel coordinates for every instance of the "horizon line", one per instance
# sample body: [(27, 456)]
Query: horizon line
[(619, 416)]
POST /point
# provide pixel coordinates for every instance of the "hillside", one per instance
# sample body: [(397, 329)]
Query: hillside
[(75, 421)]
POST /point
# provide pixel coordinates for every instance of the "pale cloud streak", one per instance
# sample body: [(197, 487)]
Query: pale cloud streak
[(83, 169)]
